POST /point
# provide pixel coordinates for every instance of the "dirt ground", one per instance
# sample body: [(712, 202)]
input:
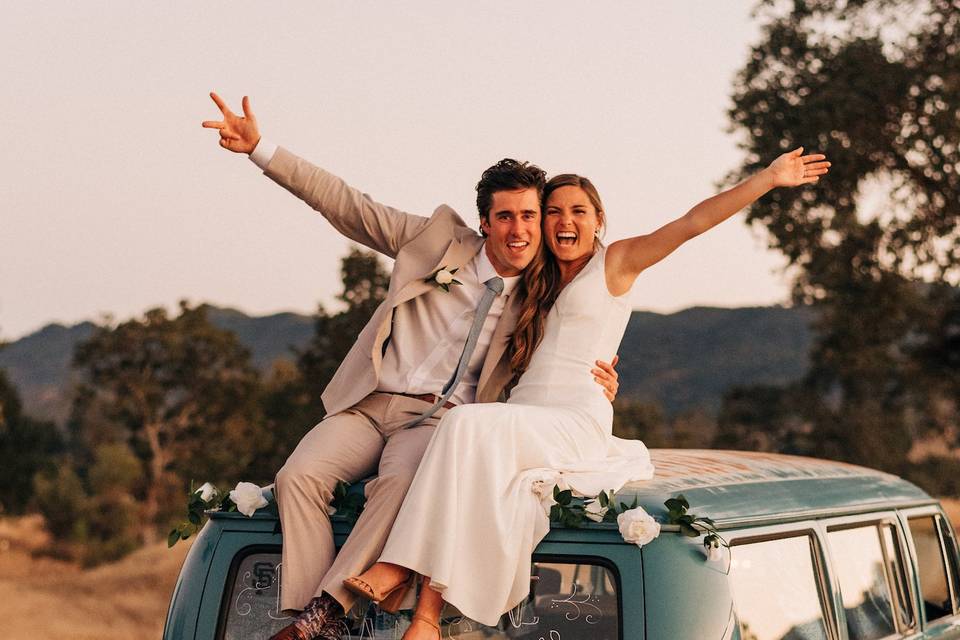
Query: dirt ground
[(46, 599)]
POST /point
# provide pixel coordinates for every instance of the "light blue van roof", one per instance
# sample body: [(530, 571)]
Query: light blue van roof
[(743, 487), (739, 486)]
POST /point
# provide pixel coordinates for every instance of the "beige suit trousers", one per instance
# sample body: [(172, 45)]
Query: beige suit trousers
[(367, 439)]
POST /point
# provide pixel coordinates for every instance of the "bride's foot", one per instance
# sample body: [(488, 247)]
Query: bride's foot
[(422, 628), (383, 583)]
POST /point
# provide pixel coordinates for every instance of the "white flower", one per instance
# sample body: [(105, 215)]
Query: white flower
[(716, 552), (542, 482), (444, 277), (206, 491), (594, 511), (248, 497), (637, 526)]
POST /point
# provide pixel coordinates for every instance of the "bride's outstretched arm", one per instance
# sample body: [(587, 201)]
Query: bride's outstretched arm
[(627, 258)]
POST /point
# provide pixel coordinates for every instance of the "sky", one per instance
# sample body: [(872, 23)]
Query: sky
[(113, 199)]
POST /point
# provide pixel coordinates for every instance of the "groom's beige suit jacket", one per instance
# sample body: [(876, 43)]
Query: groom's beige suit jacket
[(419, 246)]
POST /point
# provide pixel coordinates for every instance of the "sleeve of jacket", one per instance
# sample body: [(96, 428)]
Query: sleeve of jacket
[(354, 214)]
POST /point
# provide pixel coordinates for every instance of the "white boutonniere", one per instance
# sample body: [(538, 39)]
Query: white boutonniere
[(444, 277)]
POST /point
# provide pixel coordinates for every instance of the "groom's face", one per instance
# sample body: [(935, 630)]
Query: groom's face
[(513, 230)]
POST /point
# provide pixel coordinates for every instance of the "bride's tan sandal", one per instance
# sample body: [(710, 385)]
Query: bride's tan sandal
[(388, 601), (424, 619)]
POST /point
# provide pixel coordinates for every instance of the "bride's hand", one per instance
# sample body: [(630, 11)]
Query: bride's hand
[(607, 377), (792, 169)]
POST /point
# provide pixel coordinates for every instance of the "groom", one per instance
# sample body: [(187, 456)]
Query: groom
[(428, 335)]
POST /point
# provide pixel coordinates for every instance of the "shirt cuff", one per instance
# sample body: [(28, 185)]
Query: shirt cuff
[(263, 153)]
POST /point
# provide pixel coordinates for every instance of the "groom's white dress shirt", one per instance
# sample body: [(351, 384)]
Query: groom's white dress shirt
[(418, 366), (415, 366)]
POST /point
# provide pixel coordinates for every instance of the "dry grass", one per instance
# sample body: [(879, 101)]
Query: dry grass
[(46, 599)]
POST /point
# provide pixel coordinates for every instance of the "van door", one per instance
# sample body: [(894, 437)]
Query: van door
[(933, 552)]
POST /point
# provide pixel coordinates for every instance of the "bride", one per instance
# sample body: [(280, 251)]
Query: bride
[(471, 520)]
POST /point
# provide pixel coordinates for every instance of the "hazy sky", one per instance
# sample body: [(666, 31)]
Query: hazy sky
[(114, 199)]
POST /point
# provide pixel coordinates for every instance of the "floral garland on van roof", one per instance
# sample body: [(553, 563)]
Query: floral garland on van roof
[(562, 506), (247, 498), (635, 524)]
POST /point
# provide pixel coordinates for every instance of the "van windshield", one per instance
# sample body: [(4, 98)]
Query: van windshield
[(570, 599)]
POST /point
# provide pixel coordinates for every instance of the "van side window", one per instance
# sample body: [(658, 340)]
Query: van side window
[(934, 587), (776, 589), (858, 561), (570, 598), (953, 561), (895, 559)]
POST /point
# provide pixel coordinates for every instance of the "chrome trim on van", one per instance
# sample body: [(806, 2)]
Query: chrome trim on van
[(815, 514)]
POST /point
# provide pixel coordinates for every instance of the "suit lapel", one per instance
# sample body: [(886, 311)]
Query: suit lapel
[(458, 253), (499, 341)]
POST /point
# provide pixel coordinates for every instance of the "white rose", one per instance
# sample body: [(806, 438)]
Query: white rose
[(444, 277), (595, 512), (716, 552), (637, 526), (248, 497), (542, 484), (206, 491)]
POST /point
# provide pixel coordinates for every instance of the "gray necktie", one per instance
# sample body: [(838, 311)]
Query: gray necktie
[(494, 286)]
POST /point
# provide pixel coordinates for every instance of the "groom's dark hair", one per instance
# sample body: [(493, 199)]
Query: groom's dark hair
[(507, 175)]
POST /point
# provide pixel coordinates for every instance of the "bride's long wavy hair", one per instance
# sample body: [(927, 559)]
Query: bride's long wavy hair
[(541, 283)]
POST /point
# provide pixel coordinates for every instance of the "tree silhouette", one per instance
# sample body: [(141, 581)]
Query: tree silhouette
[(365, 284), (178, 390), (27, 446), (291, 398), (875, 84)]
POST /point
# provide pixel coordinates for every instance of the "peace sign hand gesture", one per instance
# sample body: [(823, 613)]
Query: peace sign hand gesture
[(238, 134), (792, 169)]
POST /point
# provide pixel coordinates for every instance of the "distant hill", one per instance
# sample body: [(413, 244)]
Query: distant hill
[(683, 360), (39, 364), (686, 360)]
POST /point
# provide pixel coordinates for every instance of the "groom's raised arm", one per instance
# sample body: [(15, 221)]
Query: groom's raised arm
[(351, 212)]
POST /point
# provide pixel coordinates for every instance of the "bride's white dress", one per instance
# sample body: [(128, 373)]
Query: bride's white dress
[(471, 518)]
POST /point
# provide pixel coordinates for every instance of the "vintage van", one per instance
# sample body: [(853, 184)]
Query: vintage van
[(819, 550)]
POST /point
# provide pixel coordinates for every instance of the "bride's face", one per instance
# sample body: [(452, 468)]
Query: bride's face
[(570, 223)]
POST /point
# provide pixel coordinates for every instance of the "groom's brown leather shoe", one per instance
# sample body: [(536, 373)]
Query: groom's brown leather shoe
[(289, 632), (331, 630), (321, 615)]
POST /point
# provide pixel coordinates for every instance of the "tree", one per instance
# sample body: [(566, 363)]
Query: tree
[(875, 244), (180, 392), (365, 284), (765, 418), (291, 397), (639, 421), (26, 447)]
